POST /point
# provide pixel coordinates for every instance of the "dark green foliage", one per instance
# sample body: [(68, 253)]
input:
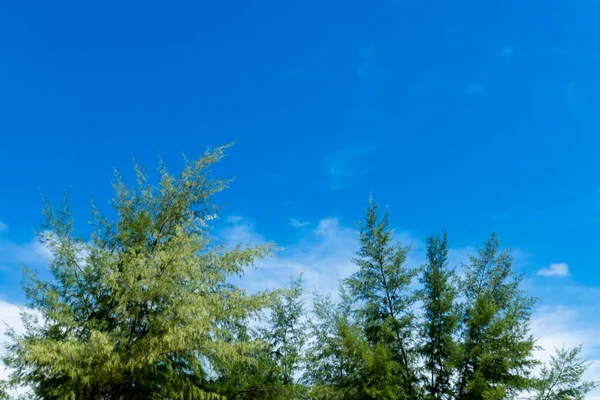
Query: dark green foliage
[(471, 340), (496, 346), (365, 348), (381, 290), (441, 320)]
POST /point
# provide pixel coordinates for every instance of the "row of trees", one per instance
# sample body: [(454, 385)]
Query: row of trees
[(144, 308)]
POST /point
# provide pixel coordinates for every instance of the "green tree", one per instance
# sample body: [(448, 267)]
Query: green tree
[(271, 373), (381, 288), (3, 391), (441, 320), (563, 379), (496, 346), (142, 308), (286, 332), (335, 356)]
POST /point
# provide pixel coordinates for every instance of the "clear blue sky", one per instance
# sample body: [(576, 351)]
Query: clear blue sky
[(469, 116)]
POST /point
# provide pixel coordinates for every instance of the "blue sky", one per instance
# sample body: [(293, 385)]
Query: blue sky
[(468, 116)]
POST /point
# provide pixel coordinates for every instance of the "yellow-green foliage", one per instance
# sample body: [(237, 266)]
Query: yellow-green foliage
[(140, 309)]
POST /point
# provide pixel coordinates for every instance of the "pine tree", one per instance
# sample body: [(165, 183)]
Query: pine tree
[(496, 346), (285, 334), (440, 321), (272, 374), (563, 379), (142, 308), (382, 290), (335, 356), (3, 391)]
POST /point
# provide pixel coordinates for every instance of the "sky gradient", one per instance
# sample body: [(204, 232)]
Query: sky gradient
[(467, 116)]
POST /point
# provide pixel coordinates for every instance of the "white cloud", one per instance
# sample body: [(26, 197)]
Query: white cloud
[(322, 256), (10, 316), (557, 269), (298, 224)]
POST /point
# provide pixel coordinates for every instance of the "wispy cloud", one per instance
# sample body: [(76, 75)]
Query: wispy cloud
[(560, 51), (322, 254), (474, 89), (507, 51), (369, 65), (556, 269), (240, 230), (3, 226), (345, 165), (31, 253), (298, 224), (287, 73)]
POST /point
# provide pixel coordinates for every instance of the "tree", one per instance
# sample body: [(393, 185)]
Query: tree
[(563, 379), (142, 308), (271, 375), (335, 355), (381, 289), (285, 334), (441, 320), (496, 346), (3, 391)]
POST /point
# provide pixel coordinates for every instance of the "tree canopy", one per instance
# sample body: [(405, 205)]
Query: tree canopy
[(144, 308)]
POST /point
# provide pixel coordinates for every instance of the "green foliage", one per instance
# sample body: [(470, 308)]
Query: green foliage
[(3, 391), (381, 290), (286, 335), (470, 339), (271, 373), (496, 346), (441, 319), (364, 348), (563, 379), (142, 309), (334, 356)]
